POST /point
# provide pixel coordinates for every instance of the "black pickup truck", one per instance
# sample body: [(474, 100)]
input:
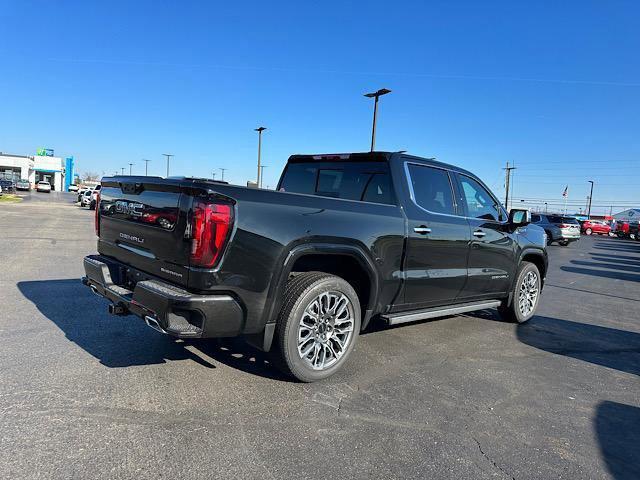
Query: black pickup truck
[(300, 271)]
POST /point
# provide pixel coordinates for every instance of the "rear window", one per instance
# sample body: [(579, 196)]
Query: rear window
[(363, 181), (560, 219)]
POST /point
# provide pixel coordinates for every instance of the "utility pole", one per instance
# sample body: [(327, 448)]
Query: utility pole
[(223, 170), (130, 167), (259, 130), (262, 167), (146, 166), (590, 198), (168, 155), (376, 96), (122, 168), (507, 184), (213, 175)]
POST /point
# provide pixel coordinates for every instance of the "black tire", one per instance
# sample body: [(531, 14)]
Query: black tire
[(511, 312), (588, 231), (564, 243), (549, 238), (301, 290), (92, 205)]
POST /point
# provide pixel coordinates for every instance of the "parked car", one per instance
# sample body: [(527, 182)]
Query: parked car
[(85, 198), (23, 184), (94, 196), (559, 228), (81, 191), (7, 185), (43, 187), (596, 226), (301, 271), (73, 187)]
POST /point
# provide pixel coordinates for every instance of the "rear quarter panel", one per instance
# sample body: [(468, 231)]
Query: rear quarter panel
[(269, 224)]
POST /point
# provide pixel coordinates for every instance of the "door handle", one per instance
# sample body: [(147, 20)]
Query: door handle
[(422, 229), (479, 233)]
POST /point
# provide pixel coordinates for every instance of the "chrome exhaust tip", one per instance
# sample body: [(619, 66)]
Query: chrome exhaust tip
[(153, 323)]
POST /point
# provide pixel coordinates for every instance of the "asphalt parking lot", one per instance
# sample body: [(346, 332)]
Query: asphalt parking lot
[(86, 395)]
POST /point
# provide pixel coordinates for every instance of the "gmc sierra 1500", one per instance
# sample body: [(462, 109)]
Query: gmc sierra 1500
[(302, 270)]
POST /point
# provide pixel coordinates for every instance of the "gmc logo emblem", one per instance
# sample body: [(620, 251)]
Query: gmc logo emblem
[(129, 208)]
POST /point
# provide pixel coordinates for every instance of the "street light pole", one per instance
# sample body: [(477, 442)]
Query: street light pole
[(262, 167), (122, 168), (213, 175), (590, 198), (259, 130), (168, 155), (130, 167), (146, 166), (376, 96), (223, 170), (507, 185)]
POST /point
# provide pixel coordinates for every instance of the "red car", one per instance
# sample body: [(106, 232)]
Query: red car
[(596, 226)]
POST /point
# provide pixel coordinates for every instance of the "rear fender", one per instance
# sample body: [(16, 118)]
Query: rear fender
[(296, 253)]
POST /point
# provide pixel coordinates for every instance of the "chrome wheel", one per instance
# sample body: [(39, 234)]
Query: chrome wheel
[(528, 293), (325, 330)]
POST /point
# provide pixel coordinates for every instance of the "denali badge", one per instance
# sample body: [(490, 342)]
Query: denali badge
[(129, 208), (131, 238)]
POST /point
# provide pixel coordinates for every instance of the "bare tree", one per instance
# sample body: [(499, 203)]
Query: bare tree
[(90, 177)]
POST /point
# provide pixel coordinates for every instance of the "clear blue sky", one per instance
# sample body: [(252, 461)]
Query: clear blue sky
[(552, 86)]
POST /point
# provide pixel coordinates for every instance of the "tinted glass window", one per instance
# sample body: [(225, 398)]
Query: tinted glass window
[(329, 182), (432, 189), (379, 189), (369, 182), (535, 218), (561, 219), (299, 178), (480, 203)]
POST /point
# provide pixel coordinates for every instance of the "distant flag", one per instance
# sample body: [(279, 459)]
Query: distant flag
[(566, 191)]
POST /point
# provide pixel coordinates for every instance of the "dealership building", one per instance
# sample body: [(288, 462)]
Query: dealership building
[(43, 167), (631, 215)]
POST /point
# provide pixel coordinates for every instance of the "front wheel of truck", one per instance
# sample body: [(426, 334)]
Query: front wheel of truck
[(317, 327), (525, 295)]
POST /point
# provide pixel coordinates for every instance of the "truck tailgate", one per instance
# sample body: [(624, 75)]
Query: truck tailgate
[(143, 225)]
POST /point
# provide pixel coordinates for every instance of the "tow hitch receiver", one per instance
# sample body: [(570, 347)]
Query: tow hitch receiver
[(118, 309)]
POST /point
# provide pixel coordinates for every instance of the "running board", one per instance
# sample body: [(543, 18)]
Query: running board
[(404, 317)]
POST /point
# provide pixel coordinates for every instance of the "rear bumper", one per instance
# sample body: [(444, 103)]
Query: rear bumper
[(569, 236), (165, 307)]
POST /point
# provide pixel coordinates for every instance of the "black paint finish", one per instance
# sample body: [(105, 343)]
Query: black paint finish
[(273, 229)]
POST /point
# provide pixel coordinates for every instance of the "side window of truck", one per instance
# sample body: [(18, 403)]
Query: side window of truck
[(431, 189), (480, 203)]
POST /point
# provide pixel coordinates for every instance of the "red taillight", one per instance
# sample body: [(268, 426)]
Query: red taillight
[(210, 227), (97, 215)]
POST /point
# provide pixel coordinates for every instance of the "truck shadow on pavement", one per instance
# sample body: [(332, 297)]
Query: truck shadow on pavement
[(605, 346), (115, 341), (616, 275), (617, 428), (126, 341)]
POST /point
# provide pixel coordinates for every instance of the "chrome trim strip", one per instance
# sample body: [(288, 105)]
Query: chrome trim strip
[(452, 310), (139, 251)]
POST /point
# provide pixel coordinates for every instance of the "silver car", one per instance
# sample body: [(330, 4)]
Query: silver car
[(559, 228)]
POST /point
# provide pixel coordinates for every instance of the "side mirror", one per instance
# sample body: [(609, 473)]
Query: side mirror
[(519, 218)]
